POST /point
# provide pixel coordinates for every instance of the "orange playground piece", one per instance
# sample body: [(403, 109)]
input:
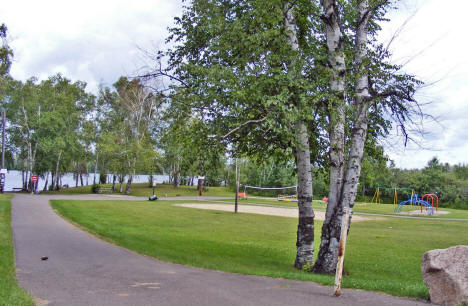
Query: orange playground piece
[(242, 195)]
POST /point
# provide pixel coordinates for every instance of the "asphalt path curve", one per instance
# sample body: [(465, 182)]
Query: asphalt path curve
[(84, 270)]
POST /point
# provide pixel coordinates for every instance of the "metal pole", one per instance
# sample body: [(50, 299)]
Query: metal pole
[(237, 191), (236, 171), (237, 197), (341, 251)]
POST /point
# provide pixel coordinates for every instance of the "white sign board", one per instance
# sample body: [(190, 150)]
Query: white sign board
[(154, 183), (4, 171), (201, 177)]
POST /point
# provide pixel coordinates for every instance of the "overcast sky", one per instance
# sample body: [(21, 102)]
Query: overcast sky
[(98, 41)]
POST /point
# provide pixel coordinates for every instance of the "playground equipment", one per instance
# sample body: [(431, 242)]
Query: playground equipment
[(415, 200), (395, 190), (285, 198), (431, 197), (242, 195)]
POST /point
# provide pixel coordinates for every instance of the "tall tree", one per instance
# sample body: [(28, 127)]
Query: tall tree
[(242, 66), (24, 113), (128, 116), (352, 26)]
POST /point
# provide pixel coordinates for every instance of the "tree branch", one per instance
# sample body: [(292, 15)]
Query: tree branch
[(242, 125), (160, 72)]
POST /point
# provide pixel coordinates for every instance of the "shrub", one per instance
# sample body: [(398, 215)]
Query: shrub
[(95, 188)]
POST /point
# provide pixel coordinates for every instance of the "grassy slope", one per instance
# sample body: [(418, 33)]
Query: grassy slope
[(10, 293), (382, 255)]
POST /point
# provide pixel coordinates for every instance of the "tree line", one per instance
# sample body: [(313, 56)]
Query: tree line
[(449, 182)]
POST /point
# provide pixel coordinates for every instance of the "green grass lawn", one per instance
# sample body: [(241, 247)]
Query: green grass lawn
[(161, 190), (10, 293), (383, 255)]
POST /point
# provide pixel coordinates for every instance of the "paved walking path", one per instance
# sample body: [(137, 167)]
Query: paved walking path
[(83, 270)]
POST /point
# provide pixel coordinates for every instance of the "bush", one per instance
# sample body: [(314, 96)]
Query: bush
[(95, 188), (103, 178)]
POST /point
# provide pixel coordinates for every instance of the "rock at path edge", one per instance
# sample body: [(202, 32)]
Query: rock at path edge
[(445, 272)]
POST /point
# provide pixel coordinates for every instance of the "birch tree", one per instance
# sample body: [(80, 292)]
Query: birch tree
[(292, 79), (366, 67), (129, 115), (24, 112)]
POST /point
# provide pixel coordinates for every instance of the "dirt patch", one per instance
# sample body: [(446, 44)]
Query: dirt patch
[(264, 210)]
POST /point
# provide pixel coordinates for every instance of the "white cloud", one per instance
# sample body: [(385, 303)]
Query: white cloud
[(94, 41), (433, 41)]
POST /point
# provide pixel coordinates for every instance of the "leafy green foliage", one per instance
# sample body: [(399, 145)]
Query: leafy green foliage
[(6, 54), (235, 64), (46, 123)]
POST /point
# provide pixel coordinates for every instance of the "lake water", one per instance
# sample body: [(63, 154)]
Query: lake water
[(13, 179)]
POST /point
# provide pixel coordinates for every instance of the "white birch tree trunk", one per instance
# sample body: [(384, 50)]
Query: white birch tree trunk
[(361, 105), (331, 231), (305, 228), (328, 254), (46, 181), (57, 176), (95, 167)]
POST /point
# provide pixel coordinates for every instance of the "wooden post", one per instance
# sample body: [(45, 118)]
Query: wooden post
[(200, 186), (341, 251), (237, 196)]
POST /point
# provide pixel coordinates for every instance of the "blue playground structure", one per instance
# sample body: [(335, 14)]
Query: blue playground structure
[(415, 200)]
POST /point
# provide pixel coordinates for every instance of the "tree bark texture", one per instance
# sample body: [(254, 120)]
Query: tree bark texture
[(346, 193), (361, 105), (57, 176), (305, 228), (129, 183), (151, 178), (95, 167), (328, 254), (22, 175), (46, 181), (176, 175), (114, 179), (121, 181), (52, 183)]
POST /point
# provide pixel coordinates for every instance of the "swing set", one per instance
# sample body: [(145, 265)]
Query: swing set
[(376, 198)]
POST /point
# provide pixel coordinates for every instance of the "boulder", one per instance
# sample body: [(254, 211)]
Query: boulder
[(445, 272)]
